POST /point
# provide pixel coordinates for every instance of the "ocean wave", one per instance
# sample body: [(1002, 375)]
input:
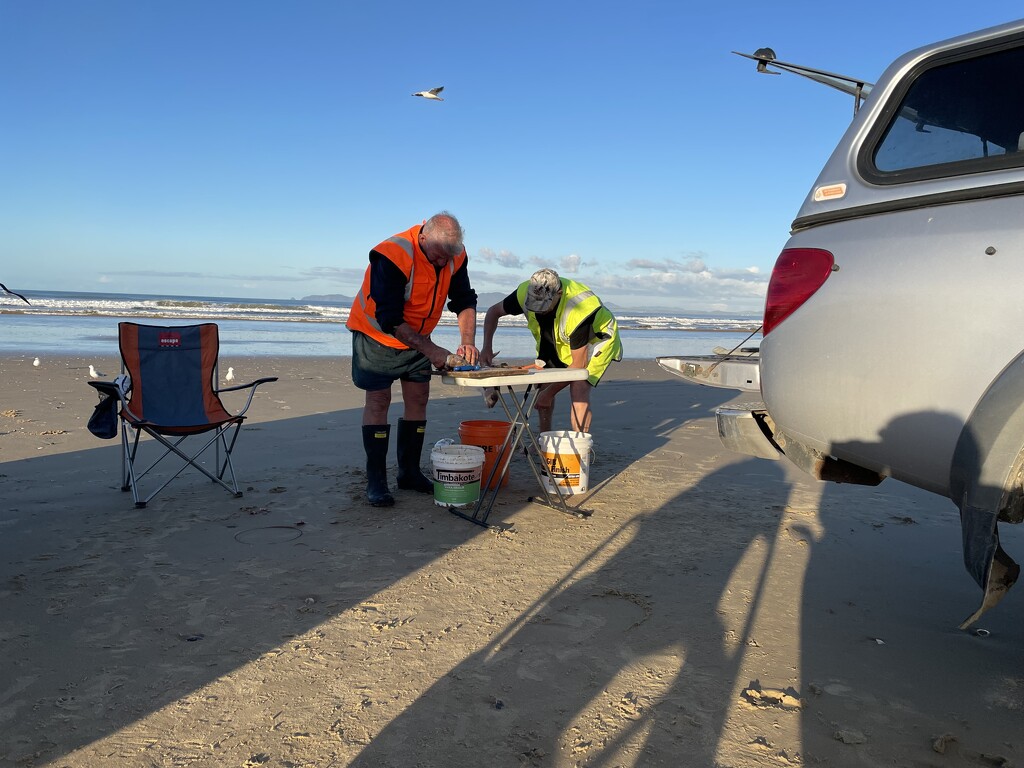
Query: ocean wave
[(171, 309), (203, 308)]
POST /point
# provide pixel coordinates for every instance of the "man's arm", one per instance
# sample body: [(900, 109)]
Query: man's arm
[(507, 306), (460, 293), (495, 313), (580, 357), (579, 360), (438, 356), (462, 301), (387, 287), (467, 333)]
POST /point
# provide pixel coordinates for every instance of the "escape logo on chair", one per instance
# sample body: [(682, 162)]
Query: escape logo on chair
[(169, 340)]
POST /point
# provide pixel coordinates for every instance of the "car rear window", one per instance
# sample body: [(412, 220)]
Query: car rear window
[(956, 117)]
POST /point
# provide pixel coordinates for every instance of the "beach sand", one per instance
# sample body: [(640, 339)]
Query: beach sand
[(714, 610)]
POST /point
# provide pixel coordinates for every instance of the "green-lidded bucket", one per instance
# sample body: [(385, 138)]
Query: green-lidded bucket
[(457, 470)]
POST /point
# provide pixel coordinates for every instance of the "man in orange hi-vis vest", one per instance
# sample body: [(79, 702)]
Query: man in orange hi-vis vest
[(404, 290)]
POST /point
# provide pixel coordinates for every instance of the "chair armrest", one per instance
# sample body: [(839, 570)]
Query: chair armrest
[(250, 386), (253, 384), (111, 388), (106, 387)]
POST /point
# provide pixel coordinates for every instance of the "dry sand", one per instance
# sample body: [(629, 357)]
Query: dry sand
[(714, 610)]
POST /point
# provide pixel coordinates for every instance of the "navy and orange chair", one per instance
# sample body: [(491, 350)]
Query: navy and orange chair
[(171, 393)]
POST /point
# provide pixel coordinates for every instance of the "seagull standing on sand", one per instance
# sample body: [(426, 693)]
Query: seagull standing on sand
[(431, 94), (12, 293), (230, 375), (94, 374), (36, 362)]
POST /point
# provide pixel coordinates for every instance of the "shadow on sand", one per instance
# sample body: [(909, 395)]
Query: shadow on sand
[(200, 584)]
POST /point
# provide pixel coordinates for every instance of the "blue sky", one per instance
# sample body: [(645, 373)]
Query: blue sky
[(260, 149)]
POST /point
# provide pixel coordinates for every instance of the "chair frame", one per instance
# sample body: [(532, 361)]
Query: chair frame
[(171, 436)]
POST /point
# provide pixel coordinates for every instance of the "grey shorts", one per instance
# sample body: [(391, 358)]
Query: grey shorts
[(376, 366)]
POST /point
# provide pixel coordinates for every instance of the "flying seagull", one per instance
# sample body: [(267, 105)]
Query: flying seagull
[(764, 57), (431, 94), (8, 290)]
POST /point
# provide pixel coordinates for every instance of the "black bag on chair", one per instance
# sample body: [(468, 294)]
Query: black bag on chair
[(103, 422)]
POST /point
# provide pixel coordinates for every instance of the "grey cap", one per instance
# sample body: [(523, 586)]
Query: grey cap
[(544, 292)]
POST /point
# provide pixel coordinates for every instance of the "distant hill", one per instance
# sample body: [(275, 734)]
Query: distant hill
[(484, 300), (334, 298)]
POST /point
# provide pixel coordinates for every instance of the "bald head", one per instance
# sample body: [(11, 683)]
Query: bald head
[(443, 232)]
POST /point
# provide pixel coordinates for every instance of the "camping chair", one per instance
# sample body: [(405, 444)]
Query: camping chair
[(170, 393)]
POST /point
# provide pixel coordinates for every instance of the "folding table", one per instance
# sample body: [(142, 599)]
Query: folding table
[(513, 386)]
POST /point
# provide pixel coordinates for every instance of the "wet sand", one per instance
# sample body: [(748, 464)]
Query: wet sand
[(713, 610)]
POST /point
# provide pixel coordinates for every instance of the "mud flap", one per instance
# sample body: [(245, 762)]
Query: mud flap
[(993, 570)]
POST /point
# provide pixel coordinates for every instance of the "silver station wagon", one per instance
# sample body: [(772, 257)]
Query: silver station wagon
[(893, 331)]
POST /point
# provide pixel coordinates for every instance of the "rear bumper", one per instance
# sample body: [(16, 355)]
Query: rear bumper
[(743, 430), (752, 431)]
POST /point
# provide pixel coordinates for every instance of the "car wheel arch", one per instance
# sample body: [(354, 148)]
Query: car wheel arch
[(986, 462), (990, 449)]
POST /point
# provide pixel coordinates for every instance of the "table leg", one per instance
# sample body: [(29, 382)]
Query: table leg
[(533, 455), (489, 491), (489, 494), (519, 418)]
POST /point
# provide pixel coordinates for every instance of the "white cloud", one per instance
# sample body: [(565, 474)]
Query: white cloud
[(503, 258), (204, 276), (689, 281), (349, 276), (695, 263), (570, 265)]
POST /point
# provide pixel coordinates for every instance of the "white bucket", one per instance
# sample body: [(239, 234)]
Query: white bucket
[(566, 461), (457, 470)]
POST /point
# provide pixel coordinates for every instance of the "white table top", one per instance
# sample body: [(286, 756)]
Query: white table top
[(540, 376)]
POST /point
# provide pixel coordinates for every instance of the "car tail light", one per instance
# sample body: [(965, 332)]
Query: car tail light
[(798, 273)]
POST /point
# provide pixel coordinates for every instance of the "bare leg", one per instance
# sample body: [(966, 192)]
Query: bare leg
[(581, 413), (415, 396), (375, 407), (545, 407)]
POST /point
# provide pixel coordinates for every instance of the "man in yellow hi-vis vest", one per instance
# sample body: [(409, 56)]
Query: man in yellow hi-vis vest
[(572, 328)]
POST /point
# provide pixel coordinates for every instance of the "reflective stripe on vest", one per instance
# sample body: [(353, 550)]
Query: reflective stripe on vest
[(572, 303), (406, 245)]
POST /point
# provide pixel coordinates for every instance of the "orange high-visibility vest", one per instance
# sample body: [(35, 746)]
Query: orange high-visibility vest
[(426, 289)]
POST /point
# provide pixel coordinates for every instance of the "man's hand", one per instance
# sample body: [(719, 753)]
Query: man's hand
[(470, 353), (438, 357)]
